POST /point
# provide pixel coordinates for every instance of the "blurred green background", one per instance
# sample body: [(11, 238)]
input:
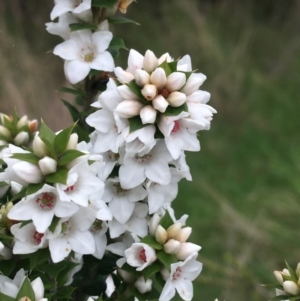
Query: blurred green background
[(244, 199)]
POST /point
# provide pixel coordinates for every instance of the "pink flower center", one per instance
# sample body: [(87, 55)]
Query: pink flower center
[(70, 188), (46, 200), (143, 255), (177, 274), (37, 237), (176, 127)]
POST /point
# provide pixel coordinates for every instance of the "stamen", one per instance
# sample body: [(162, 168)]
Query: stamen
[(176, 127), (143, 255), (38, 237)]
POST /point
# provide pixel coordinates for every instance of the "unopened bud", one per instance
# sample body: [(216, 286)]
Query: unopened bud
[(142, 286), (47, 165), (165, 273), (291, 288), (28, 172), (15, 187), (159, 103), (148, 114), (127, 277), (278, 276), (4, 117), (175, 81), (176, 99), (161, 235), (129, 108), (24, 299), (158, 78), (39, 147), (123, 76), (32, 124), (153, 223), (184, 234), (142, 77), (193, 83), (286, 271), (123, 4), (150, 61), (298, 270), (172, 246), (5, 132), (126, 93), (22, 122), (174, 230), (149, 91), (72, 141), (186, 249), (21, 139)]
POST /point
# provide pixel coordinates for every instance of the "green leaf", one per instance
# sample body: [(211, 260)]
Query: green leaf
[(26, 290), (19, 195), (50, 147), (174, 111), (166, 221), (121, 20), (294, 298), (152, 269), (82, 134), (2, 184), (54, 269), (75, 114), (107, 265), (69, 156), (54, 223), (64, 293), (6, 298), (38, 257), (173, 66), (166, 259), (79, 101), (70, 91), (24, 223), (4, 236), (104, 3), (280, 298), (96, 287), (33, 188), (62, 139), (115, 45), (159, 279), (135, 123), (292, 273), (153, 295), (59, 176), (166, 67), (151, 241), (46, 133), (28, 157), (6, 268), (63, 275), (137, 91), (131, 270), (82, 26)]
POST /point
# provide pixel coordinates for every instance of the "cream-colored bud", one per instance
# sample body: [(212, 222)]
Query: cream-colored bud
[(129, 108), (2, 142), (149, 91), (8, 206), (126, 93), (153, 223), (159, 103), (150, 61), (176, 99), (123, 4), (33, 124), (184, 234), (165, 273), (127, 277), (123, 76), (28, 172), (174, 230), (186, 249), (142, 77), (286, 271), (39, 147), (22, 122), (291, 288), (175, 81), (172, 246), (143, 286), (15, 187), (24, 299), (72, 141), (47, 165), (5, 132), (161, 235), (148, 114), (158, 78), (4, 116), (193, 83), (21, 139), (278, 276), (298, 270)]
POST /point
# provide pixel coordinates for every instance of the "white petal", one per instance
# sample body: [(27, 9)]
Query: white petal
[(135, 61), (184, 288), (60, 9), (102, 40), (103, 61), (76, 71), (38, 288), (131, 175), (82, 242), (59, 249), (121, 209), (168, 292), (68, 50)]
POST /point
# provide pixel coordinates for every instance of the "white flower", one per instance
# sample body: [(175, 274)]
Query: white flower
[(142, 285), (140, 255), (85, 51), (180, 279)]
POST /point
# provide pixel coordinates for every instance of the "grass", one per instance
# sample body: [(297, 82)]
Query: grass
[(243, 202)]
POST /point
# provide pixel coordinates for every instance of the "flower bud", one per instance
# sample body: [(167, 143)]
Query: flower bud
[(286, 271), (47, 165), (142, 77), (174, 230), (149, 91), (5, 252), (22, 122), (28, 172), (150, 61), (129, 108), (148, 114), (165, 273), (4, 117), (193, 83), (32, 124), (127, 277), (153, 223), (123, 76), (184, 234), (298, 270), (39, 147), (5, 132), (15, 187), (73, 140), (175, 81), (176, 99), (126, 93), (158, 78), (172, 246), (291, 288), (186, 249), (159, 103), (161, 235), (21, 139), (142, 286), (278, 276), (123, 4), (24, 299)]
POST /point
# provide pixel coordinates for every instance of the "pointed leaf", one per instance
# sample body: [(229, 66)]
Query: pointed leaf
[(19, 195), (137, 91), (62, 139), (166, 259), (6, 268), (280, 298), (173, 66), (60, 176), (166, 221), (6, 298), (151, 241), (33, 188), (166, 67), (152, 269), (82, 26), (4, 236), (292, 273), (135, 123), (50, 147), (24, 223), (54, 223), (75, 114), (26, 290), (46, 133), (96, 287), (121, 20), (38, 257), (28, 157), (174, 111), (104, 3), (69, 156), (70, 91)]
